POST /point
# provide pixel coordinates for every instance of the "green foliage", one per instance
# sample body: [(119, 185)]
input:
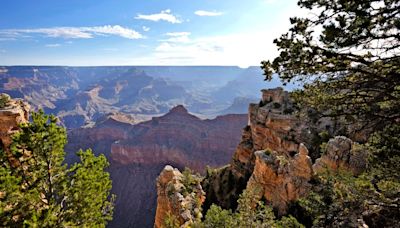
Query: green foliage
[(218, 218), (4, 99), (288, 111), (337, 199), (88, 190), (339, 78), (190, 180), (276, 105), (345, 199), (250, 213), (385, 157), (40, 191), (171, 222), (289, 222), (267, 152)]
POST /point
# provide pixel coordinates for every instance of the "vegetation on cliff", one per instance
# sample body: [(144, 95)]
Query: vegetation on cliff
[(350, 72), (250, 213), (41, 191), (4, 99)]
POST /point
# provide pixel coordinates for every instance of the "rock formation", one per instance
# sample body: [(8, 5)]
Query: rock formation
[(176, 198), (344, 154), (281, 179), (14, 113), (272, 159), (270, 127)]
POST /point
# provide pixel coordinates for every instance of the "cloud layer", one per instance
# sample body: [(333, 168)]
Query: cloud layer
[(204, 13), (74, 32), (164, 15)]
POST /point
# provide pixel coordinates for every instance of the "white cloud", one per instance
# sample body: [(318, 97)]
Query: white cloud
[(203, 13), (164, 47), (75, 32), (146, 29), (241, 49), (164, 15), (53, 45), (115, 30), (247, 47), (177, 37)]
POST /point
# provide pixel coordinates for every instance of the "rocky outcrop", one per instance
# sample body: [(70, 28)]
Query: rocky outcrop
[(342, 154), (270, 127), (282, 167), (272, 159), (281, 179), (178, 198), (14, 113)]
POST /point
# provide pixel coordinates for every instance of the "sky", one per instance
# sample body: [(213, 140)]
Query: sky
[(145, 32)]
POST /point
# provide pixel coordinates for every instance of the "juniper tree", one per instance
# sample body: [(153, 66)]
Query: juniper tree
[(42, 191), (352, 67)]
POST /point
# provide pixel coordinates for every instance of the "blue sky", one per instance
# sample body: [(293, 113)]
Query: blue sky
[(146, 32)]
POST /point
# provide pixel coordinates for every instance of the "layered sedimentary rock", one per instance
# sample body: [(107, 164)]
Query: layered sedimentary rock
[(270, 127), (138, 153), (177, 200), (180, 138), (12, 115)]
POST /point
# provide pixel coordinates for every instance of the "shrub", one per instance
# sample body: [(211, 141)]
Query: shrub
[(276, 105), (4, 99)]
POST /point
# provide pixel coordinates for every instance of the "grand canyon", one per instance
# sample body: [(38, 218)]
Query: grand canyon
[(200, 114), (142, 118)]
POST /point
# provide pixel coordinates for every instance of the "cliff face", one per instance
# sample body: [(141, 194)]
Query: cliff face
[(272, 159), (177, 196), (139, 152), (344, 154), (271, 127), (12, 114), (281, 179), (180, 138)]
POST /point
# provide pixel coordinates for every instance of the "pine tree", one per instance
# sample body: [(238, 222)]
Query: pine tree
[(42, 191), (352, 67)]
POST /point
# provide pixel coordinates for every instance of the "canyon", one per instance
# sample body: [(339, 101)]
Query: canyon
[(81, 95), (272, 161), (142, 119), (138, 152)]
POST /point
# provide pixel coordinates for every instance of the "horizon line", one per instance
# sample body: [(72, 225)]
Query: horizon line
[(39, 65)]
